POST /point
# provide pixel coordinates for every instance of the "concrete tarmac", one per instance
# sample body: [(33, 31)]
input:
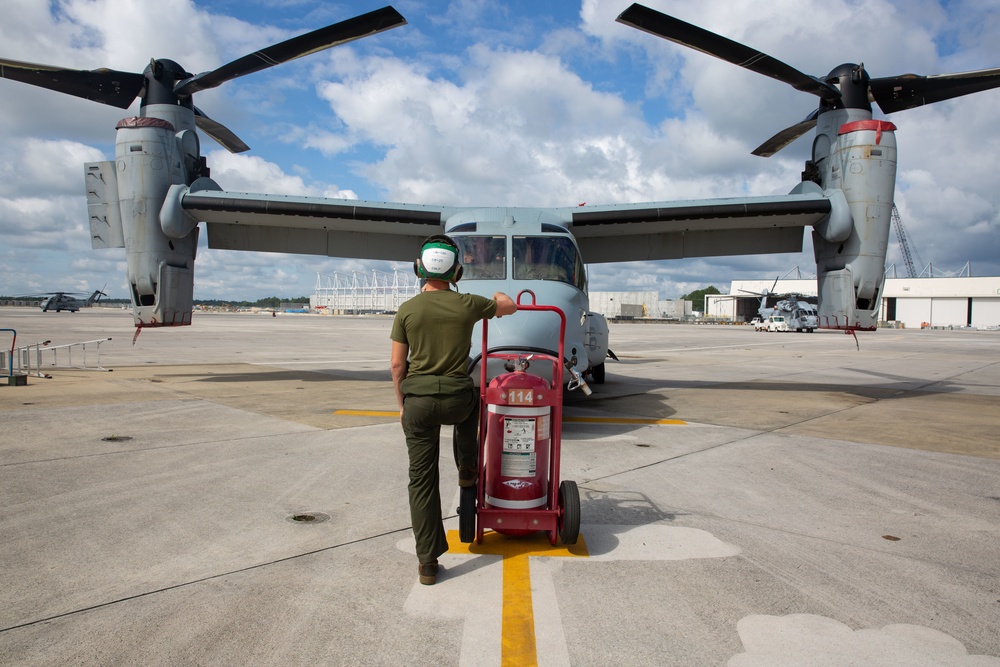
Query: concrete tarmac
[(234, 493)]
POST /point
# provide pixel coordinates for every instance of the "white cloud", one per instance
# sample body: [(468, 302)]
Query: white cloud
[(43, 167), (249, 173)]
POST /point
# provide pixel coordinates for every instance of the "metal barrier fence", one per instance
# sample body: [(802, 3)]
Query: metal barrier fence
[(3, 355), (32, 359)]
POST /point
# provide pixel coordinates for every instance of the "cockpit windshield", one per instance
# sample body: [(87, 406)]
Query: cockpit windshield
[(534, 258), (483, 257), (547, 258)]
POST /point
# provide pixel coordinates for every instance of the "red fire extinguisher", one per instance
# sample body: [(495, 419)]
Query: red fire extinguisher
[(518, 438)]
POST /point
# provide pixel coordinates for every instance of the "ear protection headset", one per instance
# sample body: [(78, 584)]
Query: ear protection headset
[(438, 260)]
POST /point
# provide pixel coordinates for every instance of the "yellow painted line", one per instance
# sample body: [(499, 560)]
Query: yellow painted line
[(517, 630), (577, 420)]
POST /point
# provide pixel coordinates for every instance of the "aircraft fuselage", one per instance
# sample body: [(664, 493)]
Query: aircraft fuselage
[(513, 250)]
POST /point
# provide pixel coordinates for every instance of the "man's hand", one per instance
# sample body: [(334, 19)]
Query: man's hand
[(505, 304)]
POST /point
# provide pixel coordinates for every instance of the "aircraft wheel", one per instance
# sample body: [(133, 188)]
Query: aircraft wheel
[(467, 515), (569, 520), (598, 373)]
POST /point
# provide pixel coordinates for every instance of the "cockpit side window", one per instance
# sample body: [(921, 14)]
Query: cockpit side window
[(548, 258), (483, 257)]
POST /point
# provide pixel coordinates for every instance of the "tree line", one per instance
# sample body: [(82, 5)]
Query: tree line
[(697, 297)]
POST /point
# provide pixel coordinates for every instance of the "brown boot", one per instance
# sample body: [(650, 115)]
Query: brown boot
[(428, 572)]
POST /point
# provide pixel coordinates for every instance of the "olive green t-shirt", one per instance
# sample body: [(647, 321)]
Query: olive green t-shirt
[(437, 327)]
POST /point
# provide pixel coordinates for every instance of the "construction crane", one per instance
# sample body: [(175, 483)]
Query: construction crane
[(904, 243)]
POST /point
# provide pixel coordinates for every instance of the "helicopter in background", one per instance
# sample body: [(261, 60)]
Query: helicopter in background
[(799, 313), (60, 301)]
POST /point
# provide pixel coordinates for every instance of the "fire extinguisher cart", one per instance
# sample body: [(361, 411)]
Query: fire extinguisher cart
[(520, 437)]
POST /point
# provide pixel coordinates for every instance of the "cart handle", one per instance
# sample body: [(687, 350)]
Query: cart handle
[(534, 306), (560, 357)]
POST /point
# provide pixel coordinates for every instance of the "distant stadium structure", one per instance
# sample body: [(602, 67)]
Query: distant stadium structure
[(363, 293)]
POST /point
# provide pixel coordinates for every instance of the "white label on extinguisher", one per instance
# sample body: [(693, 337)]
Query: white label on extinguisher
[(518, 434), (517, 464), (518, 458)]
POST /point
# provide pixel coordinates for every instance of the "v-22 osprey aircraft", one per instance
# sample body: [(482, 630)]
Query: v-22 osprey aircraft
[(153, 197)]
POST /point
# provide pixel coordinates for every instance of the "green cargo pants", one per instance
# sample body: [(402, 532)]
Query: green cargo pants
[(423, 416)]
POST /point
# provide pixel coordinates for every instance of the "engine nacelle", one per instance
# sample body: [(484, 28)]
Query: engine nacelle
[(125, 199), (856, 155)]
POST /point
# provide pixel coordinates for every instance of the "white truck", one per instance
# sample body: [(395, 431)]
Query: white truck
[(777, 323)]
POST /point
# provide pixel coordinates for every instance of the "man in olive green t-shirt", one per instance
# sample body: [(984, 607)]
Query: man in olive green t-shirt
[(433, 330)]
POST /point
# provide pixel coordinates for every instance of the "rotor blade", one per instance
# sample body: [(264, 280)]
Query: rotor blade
[(908, 91), (303, 45), (685, 34), (786, 136), (107, 86), (222, 134)]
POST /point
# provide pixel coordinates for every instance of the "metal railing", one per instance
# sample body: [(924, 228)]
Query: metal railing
[(32, 359), (4, 355)]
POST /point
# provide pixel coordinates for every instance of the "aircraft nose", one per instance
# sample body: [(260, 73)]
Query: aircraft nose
[(527, 330)]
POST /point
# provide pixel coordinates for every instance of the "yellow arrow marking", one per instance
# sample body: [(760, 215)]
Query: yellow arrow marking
[(517, 631), (578, 420)]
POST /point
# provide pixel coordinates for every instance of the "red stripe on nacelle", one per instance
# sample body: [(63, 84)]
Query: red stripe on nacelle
[(878, 126), (144, 121)]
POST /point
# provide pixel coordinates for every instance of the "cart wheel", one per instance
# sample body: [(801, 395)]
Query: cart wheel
[(467, 514), (569, 520), (598, 373)]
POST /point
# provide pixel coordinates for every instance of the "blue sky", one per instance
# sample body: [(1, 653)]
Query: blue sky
[(490, 103)]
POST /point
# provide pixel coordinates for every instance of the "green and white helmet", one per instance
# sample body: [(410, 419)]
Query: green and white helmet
[(438, 260)]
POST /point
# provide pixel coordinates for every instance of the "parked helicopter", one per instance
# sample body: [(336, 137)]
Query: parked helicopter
[(60, 301), (157, 192), (799, 314)]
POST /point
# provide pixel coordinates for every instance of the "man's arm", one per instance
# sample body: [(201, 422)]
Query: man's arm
[(397, 365), (505, 304)]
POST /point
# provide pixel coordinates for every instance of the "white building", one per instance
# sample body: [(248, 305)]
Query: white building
[(638, 304), (913, 302)]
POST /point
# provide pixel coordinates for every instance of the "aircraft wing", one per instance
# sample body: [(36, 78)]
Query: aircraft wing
[(696, 228), (614, 233), (314, 225)]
